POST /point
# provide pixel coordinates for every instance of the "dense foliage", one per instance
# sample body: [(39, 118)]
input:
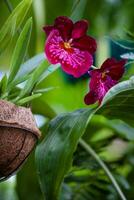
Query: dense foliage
[(86, 152)]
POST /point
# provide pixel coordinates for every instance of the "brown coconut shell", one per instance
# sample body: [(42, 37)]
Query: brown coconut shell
[(18, 136)]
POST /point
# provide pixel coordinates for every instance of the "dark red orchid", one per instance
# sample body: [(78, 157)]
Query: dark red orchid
[(103, 79), (68, 44)]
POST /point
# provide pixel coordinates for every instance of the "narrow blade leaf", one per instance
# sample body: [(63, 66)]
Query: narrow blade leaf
[(13, 23), (3, 85), (28, 99), (30, 65), (33, 79), (20, 50)]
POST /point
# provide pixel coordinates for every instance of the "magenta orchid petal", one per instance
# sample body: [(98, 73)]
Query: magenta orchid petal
[(52, 47), (103, 79), (77, 63), (73, 61), (96, 85), (68, 44), (116, 71), (108, 62), (48, 29), (79, 29), (90, 98), (65, 26), (114, 68), (99, 87), (86, 43)]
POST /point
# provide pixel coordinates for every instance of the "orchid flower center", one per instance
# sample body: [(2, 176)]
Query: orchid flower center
[(67, 46), (103, 75)]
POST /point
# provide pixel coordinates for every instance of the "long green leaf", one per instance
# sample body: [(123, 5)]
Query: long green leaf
[(33, 79), (26, 69), (3, 85), (28, 99), (13, 23), (78, 9), (20, 50), (54, 154), (30, 65), (129, 56), (27, 186)]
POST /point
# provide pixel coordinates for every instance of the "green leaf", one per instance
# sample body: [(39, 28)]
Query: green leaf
[(27, 186), (54, 154), (44, 90), (30, 65), (3, 85), (28, 99), (20, 50), (122, 128), (48, 72), (26, 69), (18, 81), (13, 23), (129, 56), (33, 80), (39, 106), (78, 9), (118, 102), (125, 44)]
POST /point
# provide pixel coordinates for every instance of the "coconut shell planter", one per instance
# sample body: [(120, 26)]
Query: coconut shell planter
[(18, 136)]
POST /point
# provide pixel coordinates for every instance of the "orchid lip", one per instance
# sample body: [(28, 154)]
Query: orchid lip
[(103, 75), (103, 78), (68, 44), (73, 53)]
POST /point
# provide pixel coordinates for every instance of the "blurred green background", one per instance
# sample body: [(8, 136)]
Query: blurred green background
[(108, 19)]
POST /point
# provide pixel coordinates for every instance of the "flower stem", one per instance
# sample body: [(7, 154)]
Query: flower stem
[(103, 165), (9, 5)]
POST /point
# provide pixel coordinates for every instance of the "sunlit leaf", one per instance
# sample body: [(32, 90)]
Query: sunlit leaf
[(30, 65), (20, 50), (78, 9), (129, 56), (3, 85), (35, 76), (28, 99), (44, 90), (13, 23)]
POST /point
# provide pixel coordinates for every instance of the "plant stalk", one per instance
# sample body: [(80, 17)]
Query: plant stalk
[(103, 165)]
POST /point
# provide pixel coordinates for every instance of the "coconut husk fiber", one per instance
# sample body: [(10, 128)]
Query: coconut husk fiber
[(18, 136)]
